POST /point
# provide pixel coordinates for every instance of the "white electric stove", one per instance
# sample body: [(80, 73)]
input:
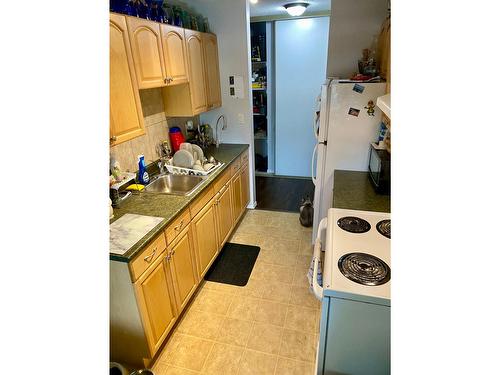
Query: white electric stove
[(359, 236), (356, 291)]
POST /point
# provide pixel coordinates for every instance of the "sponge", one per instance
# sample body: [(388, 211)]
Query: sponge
[(135, 187)]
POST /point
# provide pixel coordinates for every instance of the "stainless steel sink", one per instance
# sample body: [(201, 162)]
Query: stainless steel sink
[(174, 184)]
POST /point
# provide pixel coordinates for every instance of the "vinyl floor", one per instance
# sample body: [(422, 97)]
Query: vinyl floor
[(268, 327)]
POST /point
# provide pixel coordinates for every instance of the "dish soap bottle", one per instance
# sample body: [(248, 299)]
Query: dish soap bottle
[(143, 175)]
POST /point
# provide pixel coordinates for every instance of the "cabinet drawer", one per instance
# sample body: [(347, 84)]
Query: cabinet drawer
[(201, 201), (235, 166), (176, 227), (244, 158), (147, 256), (223, 179)]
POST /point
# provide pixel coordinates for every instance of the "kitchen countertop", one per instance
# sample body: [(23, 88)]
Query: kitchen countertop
[(169, 206), (354, 190)]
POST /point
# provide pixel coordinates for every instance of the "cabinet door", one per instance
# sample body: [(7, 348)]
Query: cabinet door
[(154, 297), (125, 112), (245, 187), (224, 214), (174, 54), (204, 227), (236, 191), (183, 267), (145, 41), (194, 47), (212, 70)]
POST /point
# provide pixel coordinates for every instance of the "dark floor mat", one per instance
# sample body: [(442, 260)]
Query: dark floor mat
[(233, 265)]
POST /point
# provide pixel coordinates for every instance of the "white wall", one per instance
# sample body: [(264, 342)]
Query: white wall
[(353, 25), (229, 20), (301, 52)]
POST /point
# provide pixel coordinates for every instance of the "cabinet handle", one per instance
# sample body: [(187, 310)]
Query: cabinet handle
[(113, 138), (165, 80), (169, 255), (179, 227), (170, 79), (150, 256)]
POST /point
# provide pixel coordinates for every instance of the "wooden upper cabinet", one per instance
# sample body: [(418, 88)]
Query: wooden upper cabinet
[(202, 93), (211, 56), (125, 111), (197, 78), (174, 54), (384, 50), (147, 50)]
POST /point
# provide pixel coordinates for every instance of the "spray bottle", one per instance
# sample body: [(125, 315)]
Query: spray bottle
[(143, 175)]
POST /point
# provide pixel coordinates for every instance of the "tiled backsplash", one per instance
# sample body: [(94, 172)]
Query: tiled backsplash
[(157, 126)]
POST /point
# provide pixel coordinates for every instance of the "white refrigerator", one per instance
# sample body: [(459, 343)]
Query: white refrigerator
[(344, 128)]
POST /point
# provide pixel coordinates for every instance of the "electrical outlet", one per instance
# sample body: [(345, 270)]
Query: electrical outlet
[(241, 118)]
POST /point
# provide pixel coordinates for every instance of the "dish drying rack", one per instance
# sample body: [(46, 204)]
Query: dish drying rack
[(188, 171)]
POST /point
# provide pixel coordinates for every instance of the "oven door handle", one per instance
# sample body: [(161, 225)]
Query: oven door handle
[(317, 289)]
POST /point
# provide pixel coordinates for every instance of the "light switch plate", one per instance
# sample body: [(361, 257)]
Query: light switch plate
[(236, 87)]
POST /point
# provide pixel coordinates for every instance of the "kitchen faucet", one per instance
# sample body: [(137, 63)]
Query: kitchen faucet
[(224, 125), (163, 151)]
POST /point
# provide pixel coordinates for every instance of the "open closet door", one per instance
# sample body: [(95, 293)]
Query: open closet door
[(301, 47)]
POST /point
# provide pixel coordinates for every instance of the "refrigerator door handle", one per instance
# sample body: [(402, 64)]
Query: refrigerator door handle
[(315, 124), (317, 116), (312, 164)]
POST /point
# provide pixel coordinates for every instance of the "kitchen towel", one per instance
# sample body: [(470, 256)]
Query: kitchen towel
[(311, 271)]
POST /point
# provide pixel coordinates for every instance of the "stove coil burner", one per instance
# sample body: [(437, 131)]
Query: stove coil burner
[(384, 228), (354, 224), (364, 269)]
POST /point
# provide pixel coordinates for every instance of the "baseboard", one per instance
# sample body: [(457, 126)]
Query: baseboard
[(252, 205)]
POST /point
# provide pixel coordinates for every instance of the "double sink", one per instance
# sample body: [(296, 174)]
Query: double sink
[(174, 184)]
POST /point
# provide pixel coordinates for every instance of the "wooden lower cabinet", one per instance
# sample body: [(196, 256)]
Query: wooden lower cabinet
[(182, 266), (204, 226), (149, 293), (156, 302), (236, 191), (245, 187), (224, 214)]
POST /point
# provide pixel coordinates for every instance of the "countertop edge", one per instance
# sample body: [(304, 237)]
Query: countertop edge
[(353, 190), (129, 255)]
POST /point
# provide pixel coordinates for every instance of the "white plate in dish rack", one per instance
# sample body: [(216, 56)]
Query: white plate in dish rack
[(179, 170)]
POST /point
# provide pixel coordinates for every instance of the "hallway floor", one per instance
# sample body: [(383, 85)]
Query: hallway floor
[(270, 326), (282, 193)]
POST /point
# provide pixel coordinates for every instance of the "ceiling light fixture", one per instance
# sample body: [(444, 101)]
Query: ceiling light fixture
[(254, 1), (296, 9)]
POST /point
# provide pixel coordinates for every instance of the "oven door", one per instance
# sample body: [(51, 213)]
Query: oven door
[(375, 166)]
